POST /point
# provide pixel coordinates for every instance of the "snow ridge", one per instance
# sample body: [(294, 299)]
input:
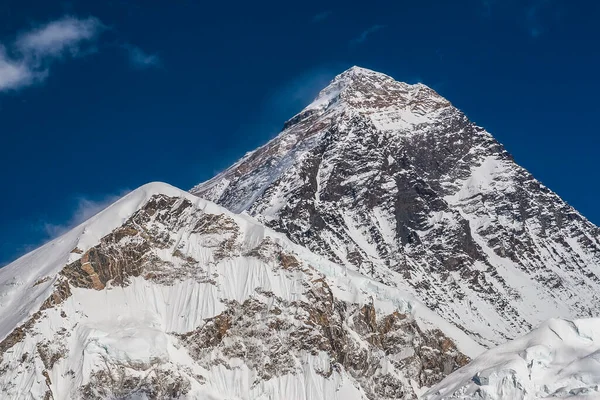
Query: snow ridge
[(166, 295)]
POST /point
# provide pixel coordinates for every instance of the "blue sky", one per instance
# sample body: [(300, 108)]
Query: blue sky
[(100, 97)]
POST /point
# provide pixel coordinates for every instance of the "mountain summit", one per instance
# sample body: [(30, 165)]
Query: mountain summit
[(369, 91), (392, 181)]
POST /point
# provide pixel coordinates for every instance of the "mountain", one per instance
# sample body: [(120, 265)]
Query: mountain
[(560, 359), (164, 295), (394, 182), (370, 251)]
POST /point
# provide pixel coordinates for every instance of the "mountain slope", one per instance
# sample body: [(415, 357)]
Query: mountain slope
[(391, 180), (559, 359), (165, 295)]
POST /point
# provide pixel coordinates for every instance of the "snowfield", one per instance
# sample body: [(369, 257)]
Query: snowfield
[(559, 359)]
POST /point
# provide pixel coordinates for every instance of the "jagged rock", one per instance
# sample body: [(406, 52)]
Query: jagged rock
[(391, 180)]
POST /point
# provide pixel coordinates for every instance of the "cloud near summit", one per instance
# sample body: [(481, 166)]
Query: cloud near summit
[(84, 209)]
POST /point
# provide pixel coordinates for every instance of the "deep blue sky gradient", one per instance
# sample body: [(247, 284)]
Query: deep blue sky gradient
[(231, 73)]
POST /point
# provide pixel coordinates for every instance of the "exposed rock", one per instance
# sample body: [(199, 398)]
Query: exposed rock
[(155, 383), (255, 332), (392, 181), (129, 250), (42, 280), (61, 292), (18, 333)]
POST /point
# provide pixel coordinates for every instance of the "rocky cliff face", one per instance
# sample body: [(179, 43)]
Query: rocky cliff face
[(164, 295), (391, 180)]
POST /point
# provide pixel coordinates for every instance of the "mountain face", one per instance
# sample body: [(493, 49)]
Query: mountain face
[(167, 296), (395, 183)]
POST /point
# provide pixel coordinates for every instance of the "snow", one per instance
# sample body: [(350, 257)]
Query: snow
[(136, 326), (20, 296), (492, 174), (561, 358), (525, 240), (325, 98), (131, 328)]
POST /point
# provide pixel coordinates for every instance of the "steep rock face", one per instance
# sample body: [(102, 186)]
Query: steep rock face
[(170, 296), (391, 180)]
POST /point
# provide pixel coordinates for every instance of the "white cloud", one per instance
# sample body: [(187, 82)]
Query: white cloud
[(140, 59), (28, 58), (13, 74), (85, 209), (58, 37)]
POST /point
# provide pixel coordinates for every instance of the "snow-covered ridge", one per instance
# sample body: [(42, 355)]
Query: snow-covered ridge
[(18, 292), (559, 359), (155, 295)]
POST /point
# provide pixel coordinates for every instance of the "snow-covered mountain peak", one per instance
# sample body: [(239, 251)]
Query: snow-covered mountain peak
[(355, 75), (44, 263), (355, 70), (392, 180), (366, 91)]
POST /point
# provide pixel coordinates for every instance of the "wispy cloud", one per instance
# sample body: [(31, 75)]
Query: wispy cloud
[(488, 6), (60, 37), (29, 57), (85, 208), (366, 33), (288, 98), (300, 90), (14, 73), (322, 16), (138, 58), (535, 16)]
